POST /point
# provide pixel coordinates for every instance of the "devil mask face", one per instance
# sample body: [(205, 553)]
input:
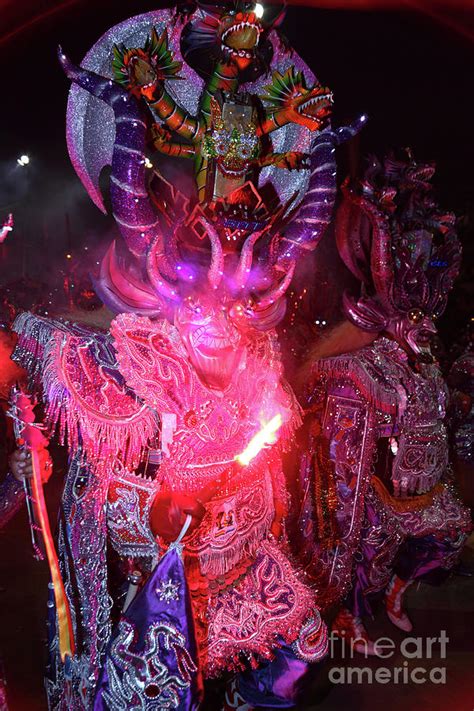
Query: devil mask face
[(402, 247), (214, 332), (414, 332)]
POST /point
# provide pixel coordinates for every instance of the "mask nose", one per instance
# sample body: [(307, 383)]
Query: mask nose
[(428, 325)]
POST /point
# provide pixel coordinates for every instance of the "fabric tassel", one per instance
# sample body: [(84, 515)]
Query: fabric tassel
[(378, 392), (105, 431), (218, 562)]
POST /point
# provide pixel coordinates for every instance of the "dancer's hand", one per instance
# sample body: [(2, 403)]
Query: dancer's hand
[(168, 514), (22, 468)]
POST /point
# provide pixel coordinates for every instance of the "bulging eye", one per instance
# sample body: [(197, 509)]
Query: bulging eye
[(241, 310), (237, 310), (415, 316)]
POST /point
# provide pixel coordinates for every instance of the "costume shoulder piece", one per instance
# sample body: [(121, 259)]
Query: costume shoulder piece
[(373, 371), (74, 368), (153, 361)]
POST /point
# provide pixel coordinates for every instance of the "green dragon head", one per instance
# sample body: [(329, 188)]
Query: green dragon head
[(289, 95), (239, 33), (140, 69)]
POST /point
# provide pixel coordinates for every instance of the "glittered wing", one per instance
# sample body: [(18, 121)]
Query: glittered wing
[(153, 363), (90, 126)]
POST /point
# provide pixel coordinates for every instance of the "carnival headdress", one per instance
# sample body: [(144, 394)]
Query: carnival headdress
[(395, 239), (157, 274)]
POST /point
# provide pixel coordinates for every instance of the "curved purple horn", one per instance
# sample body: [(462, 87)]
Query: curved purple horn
[(131, 204), (171, 250), (274, 294), (157, 279), (122, 292), (309, 223), (167, 257), (381, 262), (216, 268), (242, 272)]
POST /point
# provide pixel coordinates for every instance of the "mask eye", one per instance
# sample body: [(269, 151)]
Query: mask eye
[(238, 311), (193, 305), (416, 316)]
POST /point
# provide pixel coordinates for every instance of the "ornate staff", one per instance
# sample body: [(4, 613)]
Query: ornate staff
[(29, 434)]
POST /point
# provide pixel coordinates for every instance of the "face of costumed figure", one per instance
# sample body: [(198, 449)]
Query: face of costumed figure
[(415, 331), (214, 332)]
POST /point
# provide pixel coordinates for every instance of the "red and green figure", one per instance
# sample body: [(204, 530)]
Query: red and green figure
[(144, 71)]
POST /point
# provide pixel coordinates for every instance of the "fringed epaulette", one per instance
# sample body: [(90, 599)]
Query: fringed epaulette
[(370, 370), (35, 333), (74, 370)]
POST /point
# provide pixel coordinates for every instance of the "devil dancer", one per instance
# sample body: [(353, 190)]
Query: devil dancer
[(378, 500), (157, 412)]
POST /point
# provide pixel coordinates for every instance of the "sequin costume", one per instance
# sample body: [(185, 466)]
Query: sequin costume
[(461, 383), (188, 375), (376, 485), (95, 384), (12, 496)]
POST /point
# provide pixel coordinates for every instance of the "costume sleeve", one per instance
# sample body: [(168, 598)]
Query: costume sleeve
[(74, 370)]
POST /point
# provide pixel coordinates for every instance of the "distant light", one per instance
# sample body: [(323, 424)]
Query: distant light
[(68, 256), (259, 10), (148, 163), (23, 160)]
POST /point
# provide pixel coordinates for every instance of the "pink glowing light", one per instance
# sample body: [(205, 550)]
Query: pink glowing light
[(263, 438)]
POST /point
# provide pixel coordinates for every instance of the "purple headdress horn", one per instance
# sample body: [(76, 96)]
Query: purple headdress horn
[(381, 263), (353, 235), (242, 273), (131, 204), (121, 291), (364, 313), (309, 223), (273, 295), (157, 272)]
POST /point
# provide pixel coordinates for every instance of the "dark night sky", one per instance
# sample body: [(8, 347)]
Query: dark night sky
[(412, 76)]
